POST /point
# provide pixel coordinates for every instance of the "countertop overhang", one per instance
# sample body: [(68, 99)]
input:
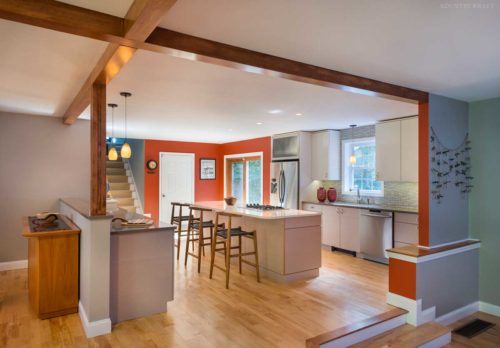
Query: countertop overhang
[(221, 206)]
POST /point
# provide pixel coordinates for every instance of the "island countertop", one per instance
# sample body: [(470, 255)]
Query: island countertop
[(221, 206)]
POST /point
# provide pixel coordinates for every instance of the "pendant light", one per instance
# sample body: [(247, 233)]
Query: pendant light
[(126, 151), (112, 154), (353, 158)]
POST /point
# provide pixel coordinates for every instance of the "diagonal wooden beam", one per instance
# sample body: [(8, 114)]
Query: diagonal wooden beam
[(141, 19), (199, 49), (59, 16)]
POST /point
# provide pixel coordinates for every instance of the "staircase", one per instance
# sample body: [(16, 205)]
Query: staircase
[(120, 185)]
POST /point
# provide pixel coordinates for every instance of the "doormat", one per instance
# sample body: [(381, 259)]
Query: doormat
[(473, 328)]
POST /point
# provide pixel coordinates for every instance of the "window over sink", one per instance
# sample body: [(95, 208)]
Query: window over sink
[(358, 163)]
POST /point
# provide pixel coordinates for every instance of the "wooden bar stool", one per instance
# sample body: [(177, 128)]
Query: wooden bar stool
[(177, 220), (224, 236), (195, 233)]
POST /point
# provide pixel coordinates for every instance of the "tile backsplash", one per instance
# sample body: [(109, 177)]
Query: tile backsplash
[(401, 194)]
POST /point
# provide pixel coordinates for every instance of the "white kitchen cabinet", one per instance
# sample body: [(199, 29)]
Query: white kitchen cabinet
[(331, 226), (349, 229), (388, 150), (325, 155), (397, 150), (409, 149), (339, 226), (405, 229)]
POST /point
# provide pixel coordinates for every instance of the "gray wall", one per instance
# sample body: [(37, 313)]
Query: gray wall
[(137, 165), (41, 160), (484, 213), (450, 282), (448, 220)]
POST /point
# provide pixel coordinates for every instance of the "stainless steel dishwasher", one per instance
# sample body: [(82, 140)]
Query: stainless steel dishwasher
[(375, 234)]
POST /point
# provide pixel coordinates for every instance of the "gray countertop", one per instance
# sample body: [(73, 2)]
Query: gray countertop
[(393, 208), (82, 206), (121, 213)]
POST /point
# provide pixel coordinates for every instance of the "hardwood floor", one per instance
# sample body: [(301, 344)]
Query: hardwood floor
[(487, 339), (205, 314)]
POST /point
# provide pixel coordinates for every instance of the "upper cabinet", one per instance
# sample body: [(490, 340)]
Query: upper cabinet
[(397, 150), (325, 146)]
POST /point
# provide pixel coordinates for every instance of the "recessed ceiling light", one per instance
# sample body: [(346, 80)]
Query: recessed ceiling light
[(259, 123), (275, 111), (298, 114)]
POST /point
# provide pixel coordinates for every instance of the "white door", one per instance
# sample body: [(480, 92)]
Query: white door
[(176, 181)]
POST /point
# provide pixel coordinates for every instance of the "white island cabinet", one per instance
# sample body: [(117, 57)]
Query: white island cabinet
[(289, 240)]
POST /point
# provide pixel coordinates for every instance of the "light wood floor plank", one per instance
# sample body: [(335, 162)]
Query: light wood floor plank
[(205, 314)]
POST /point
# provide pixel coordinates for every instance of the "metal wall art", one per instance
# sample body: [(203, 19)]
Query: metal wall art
[(450, 168)]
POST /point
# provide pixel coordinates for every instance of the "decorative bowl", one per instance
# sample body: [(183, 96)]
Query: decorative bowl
[(230, 200)]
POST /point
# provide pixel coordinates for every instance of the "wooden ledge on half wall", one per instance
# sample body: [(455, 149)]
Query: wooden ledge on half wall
[(418, 251), (317, 341)]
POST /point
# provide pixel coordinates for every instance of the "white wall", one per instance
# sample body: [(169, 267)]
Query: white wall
[(41, 160)]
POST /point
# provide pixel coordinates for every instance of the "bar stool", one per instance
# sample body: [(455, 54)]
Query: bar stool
[(177, 220), (195, 233), (223, 236)]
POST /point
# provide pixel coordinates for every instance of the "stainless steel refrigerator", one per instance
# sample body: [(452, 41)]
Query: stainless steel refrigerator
[(285, 184)]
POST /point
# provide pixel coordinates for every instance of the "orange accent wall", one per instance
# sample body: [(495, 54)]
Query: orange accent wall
[(246, 146), (423, 174), (403, 278), (205, 190)]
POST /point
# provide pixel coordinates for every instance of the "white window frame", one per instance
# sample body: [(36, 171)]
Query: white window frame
[(249, 154), (346, 154)]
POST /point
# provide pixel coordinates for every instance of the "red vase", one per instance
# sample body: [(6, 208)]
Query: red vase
[(321, 194), (332, 194)]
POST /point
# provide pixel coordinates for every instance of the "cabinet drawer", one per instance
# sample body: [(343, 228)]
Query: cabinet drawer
[(405, 233), (311, 207), (406, 218)]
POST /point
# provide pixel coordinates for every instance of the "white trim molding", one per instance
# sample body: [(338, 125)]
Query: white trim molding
[(446, 244), (426, 258), (416, 316), (458, 314), (489, 308), (94, 328), (11, 265)]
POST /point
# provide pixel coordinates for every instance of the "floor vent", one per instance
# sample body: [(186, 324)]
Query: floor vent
[(473, 328)]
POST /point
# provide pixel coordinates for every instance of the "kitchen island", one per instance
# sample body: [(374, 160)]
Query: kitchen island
[(289, 241)]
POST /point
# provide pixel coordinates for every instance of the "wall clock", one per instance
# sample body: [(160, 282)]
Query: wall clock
[(152, 164)]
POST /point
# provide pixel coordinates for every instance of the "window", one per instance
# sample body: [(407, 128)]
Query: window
[(361, 173), (244, 179)]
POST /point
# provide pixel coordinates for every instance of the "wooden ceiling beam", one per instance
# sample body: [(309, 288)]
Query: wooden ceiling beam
[(142, 18), (199, 49), (62, 17)]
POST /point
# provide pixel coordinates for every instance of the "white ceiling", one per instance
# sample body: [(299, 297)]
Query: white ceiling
[(42, 70), (428, 45), (179, 99)]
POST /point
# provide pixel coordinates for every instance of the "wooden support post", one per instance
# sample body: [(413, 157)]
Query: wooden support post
[(98, 150)]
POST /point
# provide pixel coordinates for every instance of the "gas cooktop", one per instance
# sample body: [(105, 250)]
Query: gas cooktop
[(263, 207)]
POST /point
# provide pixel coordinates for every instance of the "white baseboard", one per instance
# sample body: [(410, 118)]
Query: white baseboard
[(458, 314), (489, 308), (94, 328), (416, 316), (8, 266)]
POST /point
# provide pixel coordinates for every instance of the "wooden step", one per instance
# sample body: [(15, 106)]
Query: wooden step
[(115, 171), (117, 178), (121, 193), (359, 330), (124, 201), (114, 164), (129, 208), (119, 186), (429, 334)]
